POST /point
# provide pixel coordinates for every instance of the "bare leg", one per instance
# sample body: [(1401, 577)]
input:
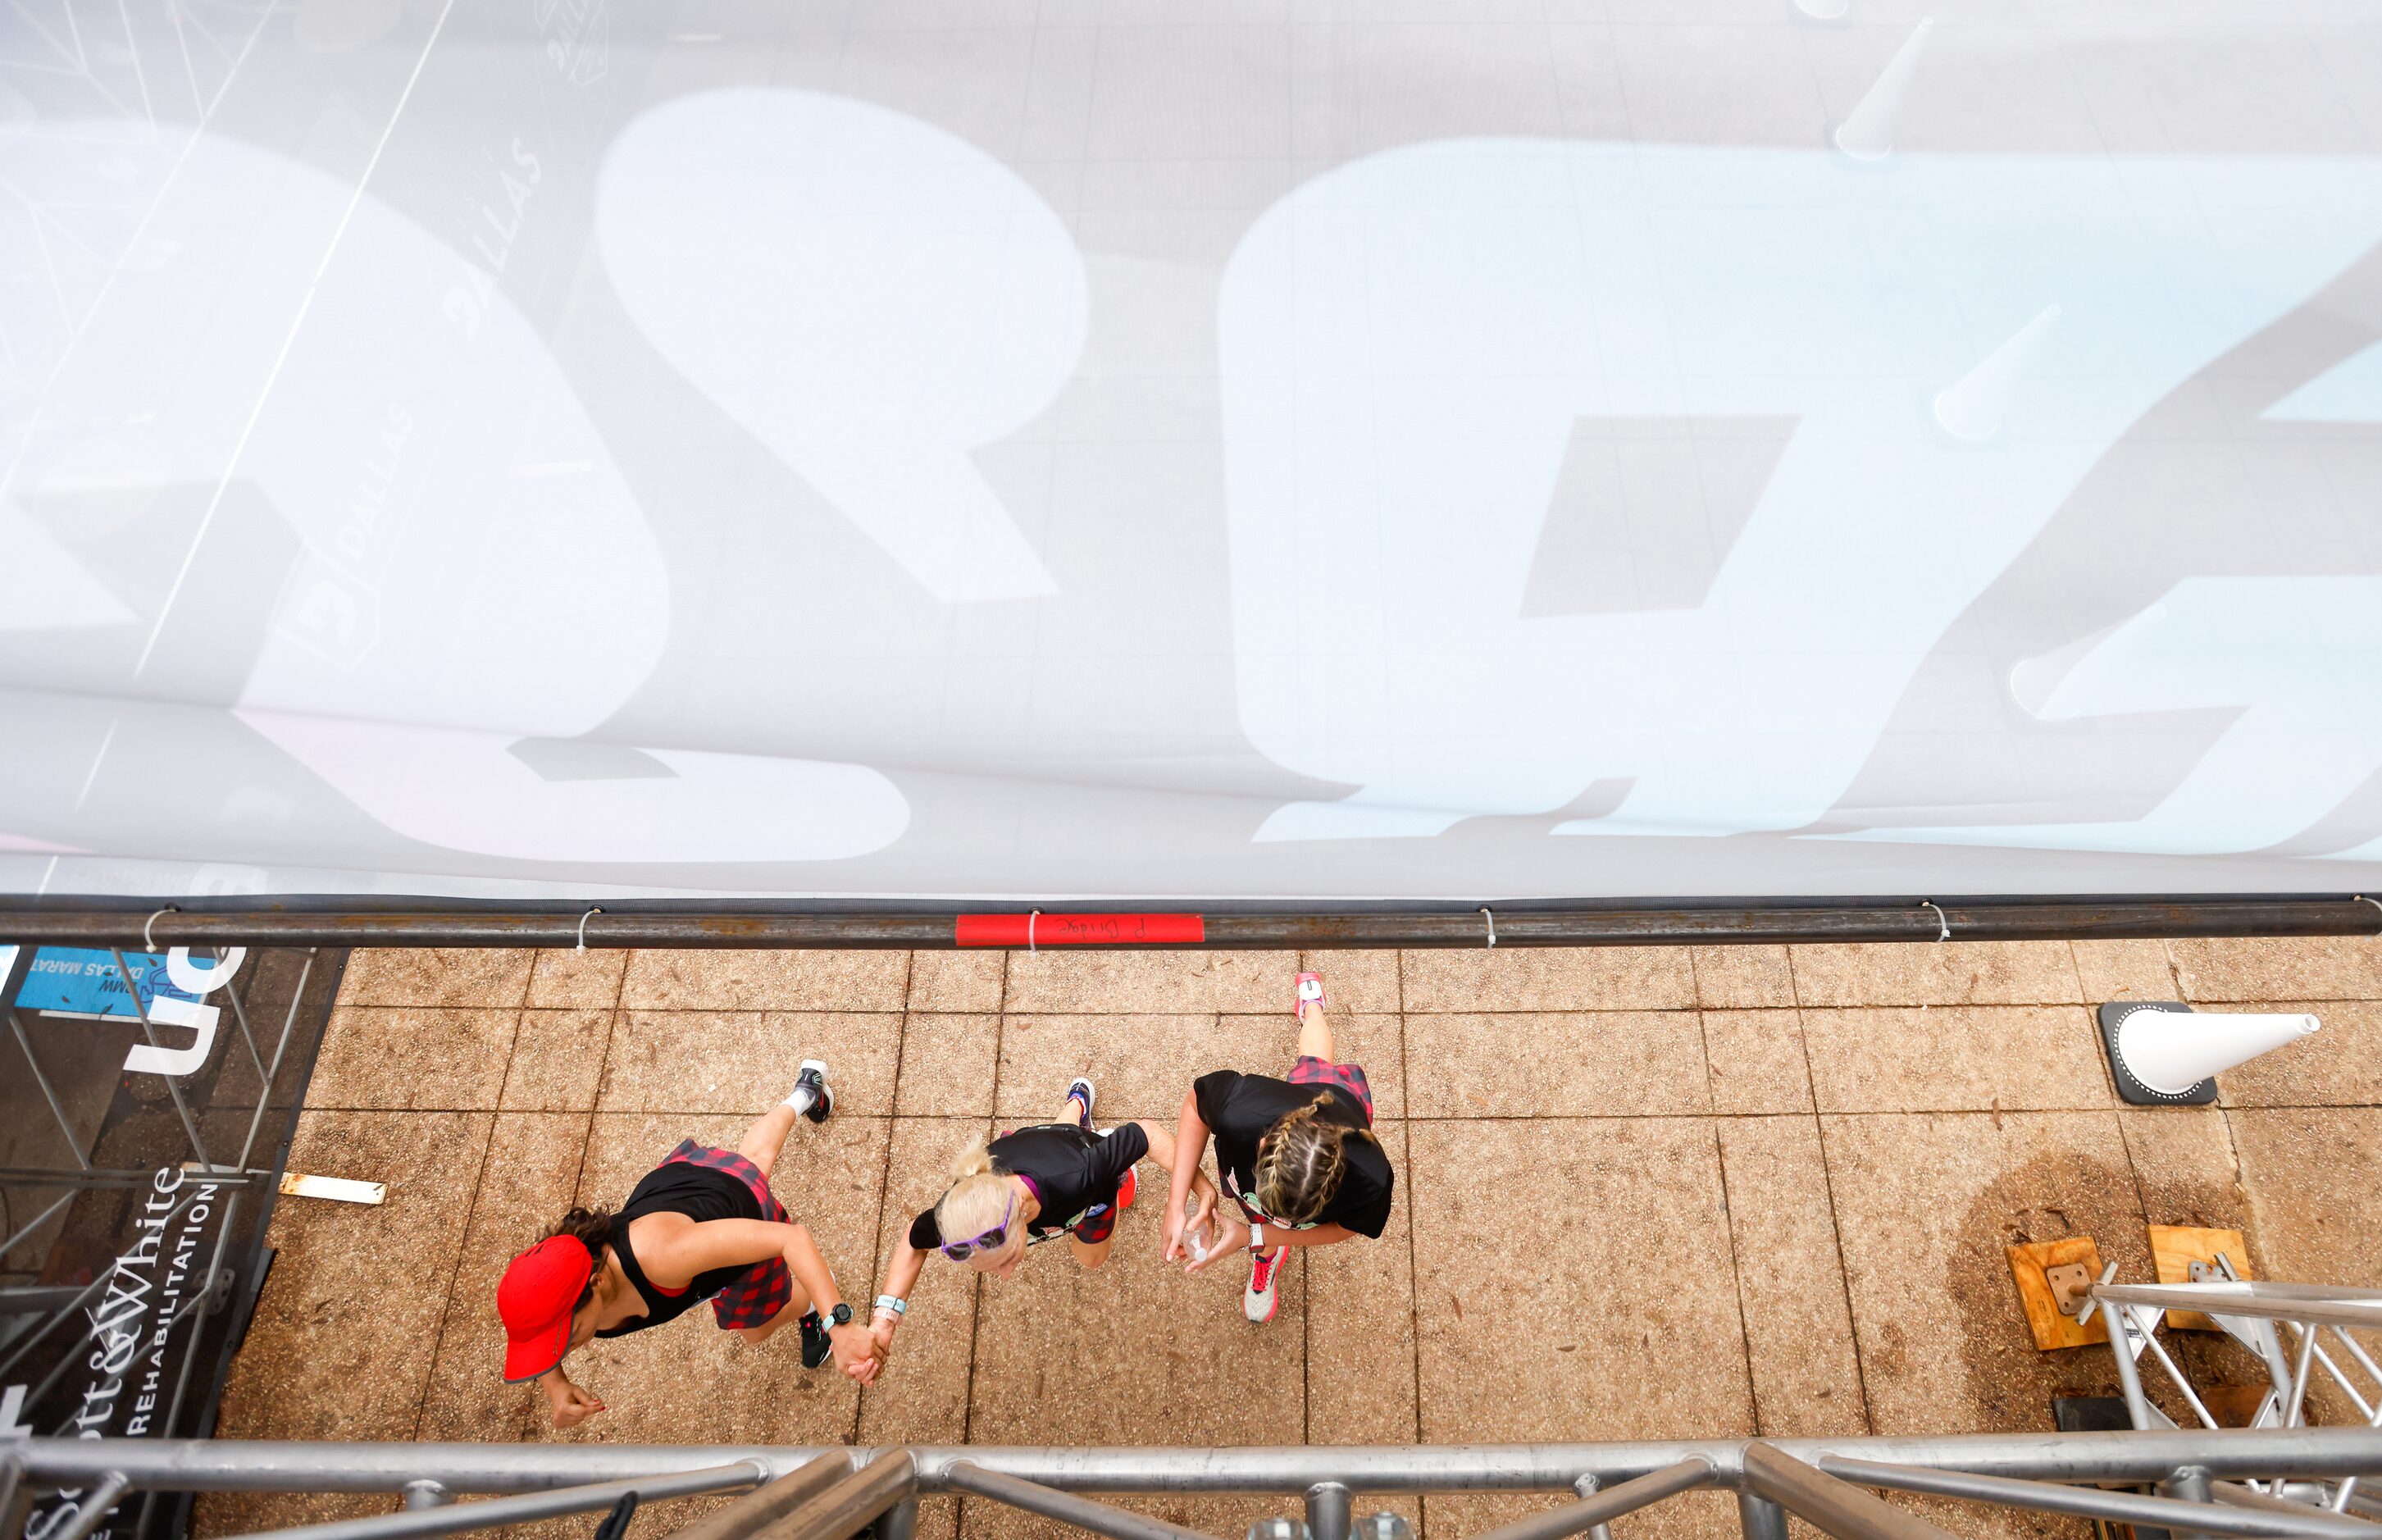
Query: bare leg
[(1314, 1032), (1088, 1255), (761, 1143)]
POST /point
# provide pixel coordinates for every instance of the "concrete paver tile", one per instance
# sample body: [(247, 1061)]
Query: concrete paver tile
[(1743, 977), (1549, 979), (532, 1169), (564, 979), (1756, 1062), (1145, 983), (2184, 1166), (1143, 1065), (1552, 1064), (1937, 973), (2285, 967), (2123, 970), (2337, 1064), (2314, 1179), (966, 981), (1689, 1516), (1220, 1517), (746, 1060), (921, 1397), (1624, 1264), (947, 1065), (1924, 1206), (1799, 1332), (335, 1347), (742, 979), (1362, 979), (688, 1380), (396, 1059), (1361, 1364), (558, 1060), (436, 975), (1955, 1058)]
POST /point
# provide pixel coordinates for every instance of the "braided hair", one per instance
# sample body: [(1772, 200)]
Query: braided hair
[(1301, 1162)]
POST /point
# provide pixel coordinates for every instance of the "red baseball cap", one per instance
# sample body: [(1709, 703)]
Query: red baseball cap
[(541, 1287)]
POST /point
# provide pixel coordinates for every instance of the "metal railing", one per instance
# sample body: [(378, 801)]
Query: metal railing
[(626, 922), (832, 1494)]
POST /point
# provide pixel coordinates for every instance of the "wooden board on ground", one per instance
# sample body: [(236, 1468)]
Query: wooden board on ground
[(2174, 1248), (2052, 1329)]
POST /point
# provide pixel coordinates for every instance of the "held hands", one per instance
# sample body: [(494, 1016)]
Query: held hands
[(1232, 1236), (855, 1351), (571, 1404), (1202, 1218)]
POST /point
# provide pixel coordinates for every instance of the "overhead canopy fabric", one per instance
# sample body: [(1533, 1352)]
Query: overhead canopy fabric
[(919, 451)]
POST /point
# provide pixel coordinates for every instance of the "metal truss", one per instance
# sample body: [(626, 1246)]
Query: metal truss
[(833, 1493)]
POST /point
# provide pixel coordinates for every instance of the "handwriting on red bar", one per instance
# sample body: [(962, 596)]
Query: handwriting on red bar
[(1050, 929)]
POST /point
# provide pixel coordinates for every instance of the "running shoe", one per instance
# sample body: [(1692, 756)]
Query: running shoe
[(812, 1078), (815, 1346), (1259, 1301), (1310, 990), (1080, 1090)]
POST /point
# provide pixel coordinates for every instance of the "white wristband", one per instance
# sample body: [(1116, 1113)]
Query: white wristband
[(1256, 1237), (888, 1304)]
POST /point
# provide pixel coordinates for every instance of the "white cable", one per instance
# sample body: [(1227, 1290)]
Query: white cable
[(1492, 924), (582, 926), (1944, 932), (147, 944), (1031, 916), (2364, 898)]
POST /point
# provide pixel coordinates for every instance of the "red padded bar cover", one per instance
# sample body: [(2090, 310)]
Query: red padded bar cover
[(1080, 929)]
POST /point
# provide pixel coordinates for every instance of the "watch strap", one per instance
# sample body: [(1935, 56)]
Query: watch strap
[(892, 1305)]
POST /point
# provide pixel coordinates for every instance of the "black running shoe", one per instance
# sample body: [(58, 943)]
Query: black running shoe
[(1080, 1090), (813, 1077), (815, 1346)]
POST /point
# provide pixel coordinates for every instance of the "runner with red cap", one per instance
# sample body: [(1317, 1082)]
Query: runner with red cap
[(701, 1226)]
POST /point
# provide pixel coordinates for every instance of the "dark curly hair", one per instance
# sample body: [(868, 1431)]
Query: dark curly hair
[(593, 1229)]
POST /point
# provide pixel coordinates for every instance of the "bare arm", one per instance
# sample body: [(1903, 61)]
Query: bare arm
[(900, 1277), (1181, 1162)]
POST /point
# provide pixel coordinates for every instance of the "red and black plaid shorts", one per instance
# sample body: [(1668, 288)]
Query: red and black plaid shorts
[(762, 1290), (1312, 1071)]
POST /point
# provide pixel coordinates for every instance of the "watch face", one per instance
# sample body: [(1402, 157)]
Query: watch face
[(841, 1316)]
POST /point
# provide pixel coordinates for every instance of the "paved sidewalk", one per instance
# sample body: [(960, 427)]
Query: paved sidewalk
[(1643, 1192)]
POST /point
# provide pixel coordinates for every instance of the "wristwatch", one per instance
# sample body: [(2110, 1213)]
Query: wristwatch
[(840, 1317), (892, 1305), (1256, 1238)]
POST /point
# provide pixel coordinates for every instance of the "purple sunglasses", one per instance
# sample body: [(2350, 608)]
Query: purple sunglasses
[(991, 1240)]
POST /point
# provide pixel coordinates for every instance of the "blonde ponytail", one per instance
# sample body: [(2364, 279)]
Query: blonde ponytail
[(977, 1199)]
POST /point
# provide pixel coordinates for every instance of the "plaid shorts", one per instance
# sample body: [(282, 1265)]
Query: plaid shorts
[(1312, 1071), (762, 1290)]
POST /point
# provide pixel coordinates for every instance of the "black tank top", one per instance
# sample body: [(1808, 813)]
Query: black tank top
[(701, 1194)]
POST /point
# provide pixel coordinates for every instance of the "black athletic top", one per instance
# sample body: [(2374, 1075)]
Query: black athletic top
[(700, 1194), (1073, 1171), (1242, 1109)]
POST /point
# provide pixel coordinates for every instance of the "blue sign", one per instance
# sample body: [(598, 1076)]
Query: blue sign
[(69, 980)]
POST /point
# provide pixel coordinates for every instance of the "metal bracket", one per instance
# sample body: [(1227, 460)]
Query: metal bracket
[(2071, 1286)]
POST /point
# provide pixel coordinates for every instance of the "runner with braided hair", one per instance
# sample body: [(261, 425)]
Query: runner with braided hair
[(1298, 1157)]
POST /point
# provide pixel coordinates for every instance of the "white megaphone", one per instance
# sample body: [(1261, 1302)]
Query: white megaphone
[(2176, 1053)]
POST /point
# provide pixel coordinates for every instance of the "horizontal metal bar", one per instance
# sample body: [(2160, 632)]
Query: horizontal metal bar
[(269, 1466), (846, 1508), (2342, 1307), (2241, 1497), (1838, 1506), (1533, 922), (1049, 1501), (2088, 1502), (29, 1176), (770, 1503), (1607, 1504), (415, 1523)]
